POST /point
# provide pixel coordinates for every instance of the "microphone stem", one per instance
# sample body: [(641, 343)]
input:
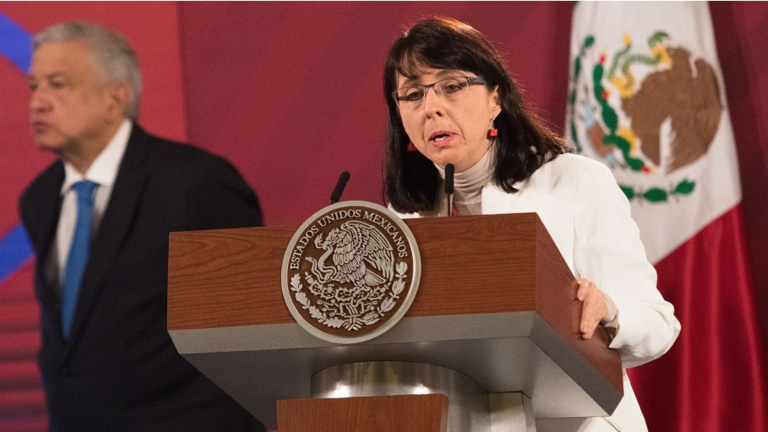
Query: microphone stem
[(449, 187)]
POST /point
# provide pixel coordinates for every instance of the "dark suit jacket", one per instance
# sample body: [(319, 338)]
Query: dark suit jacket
[(120, 371)]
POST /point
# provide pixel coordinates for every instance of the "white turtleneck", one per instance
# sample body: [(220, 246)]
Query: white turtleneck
[(468, 184)]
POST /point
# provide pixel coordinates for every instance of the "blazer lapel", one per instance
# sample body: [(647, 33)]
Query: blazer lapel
[(47, 210), (121, 209)]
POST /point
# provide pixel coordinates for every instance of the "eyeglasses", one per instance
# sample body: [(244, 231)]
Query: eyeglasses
[(449, 89)]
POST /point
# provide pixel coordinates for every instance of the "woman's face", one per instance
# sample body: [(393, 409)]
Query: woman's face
[(449, 128)]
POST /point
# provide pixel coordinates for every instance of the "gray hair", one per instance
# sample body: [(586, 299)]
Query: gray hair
[(114, 56)]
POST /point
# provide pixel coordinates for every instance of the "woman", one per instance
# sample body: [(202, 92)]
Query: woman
[(451, 101)]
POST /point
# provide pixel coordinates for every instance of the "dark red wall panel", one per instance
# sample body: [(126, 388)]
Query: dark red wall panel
[(293, 91)]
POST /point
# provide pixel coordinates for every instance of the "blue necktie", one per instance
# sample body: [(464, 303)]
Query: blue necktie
[(78, 254)]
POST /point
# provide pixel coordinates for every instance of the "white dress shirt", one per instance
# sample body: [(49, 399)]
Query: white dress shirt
[(102, 171)]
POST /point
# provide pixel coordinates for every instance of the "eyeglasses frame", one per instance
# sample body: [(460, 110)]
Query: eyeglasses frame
[(470, 81)]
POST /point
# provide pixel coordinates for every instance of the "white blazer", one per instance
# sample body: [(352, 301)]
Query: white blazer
[(589, 219)]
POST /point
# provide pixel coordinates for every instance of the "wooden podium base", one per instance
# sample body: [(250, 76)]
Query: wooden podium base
[(403, 396), (406, 413)]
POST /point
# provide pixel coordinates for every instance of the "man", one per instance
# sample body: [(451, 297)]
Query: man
[(99, 220)]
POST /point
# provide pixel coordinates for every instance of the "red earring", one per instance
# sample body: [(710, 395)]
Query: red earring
[(493, 132), (411, 147)]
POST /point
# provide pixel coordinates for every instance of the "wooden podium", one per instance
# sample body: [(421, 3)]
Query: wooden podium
[(496, 302)]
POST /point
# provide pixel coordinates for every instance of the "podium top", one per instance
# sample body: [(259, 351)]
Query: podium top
[(496, 301)]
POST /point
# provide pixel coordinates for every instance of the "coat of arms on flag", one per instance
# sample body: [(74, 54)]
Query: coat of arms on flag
[(646, 98), (645, 107)]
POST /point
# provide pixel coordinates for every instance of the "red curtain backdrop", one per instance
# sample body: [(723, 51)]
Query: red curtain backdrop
[(741, 33), (291, 93)]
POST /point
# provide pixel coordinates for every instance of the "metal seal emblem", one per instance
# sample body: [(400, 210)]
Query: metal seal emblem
[(350, 272)]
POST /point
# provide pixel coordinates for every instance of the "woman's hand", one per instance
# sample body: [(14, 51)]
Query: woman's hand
[(593, 308)]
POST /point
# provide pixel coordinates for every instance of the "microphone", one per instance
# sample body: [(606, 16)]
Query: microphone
[(449, 187), (339, 189)]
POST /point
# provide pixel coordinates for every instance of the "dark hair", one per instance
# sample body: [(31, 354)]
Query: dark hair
[(525, 142)]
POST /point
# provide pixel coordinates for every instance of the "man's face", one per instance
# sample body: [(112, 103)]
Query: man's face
[(71, 106)]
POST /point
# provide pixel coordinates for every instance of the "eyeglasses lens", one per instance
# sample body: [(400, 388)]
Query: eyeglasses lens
[(449, 89)]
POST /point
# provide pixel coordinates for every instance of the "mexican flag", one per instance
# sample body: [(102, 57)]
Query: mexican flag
[(646, 97)]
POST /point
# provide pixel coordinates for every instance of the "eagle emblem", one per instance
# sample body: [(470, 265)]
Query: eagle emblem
[(358, 249), (347, 271), (647, 110)]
